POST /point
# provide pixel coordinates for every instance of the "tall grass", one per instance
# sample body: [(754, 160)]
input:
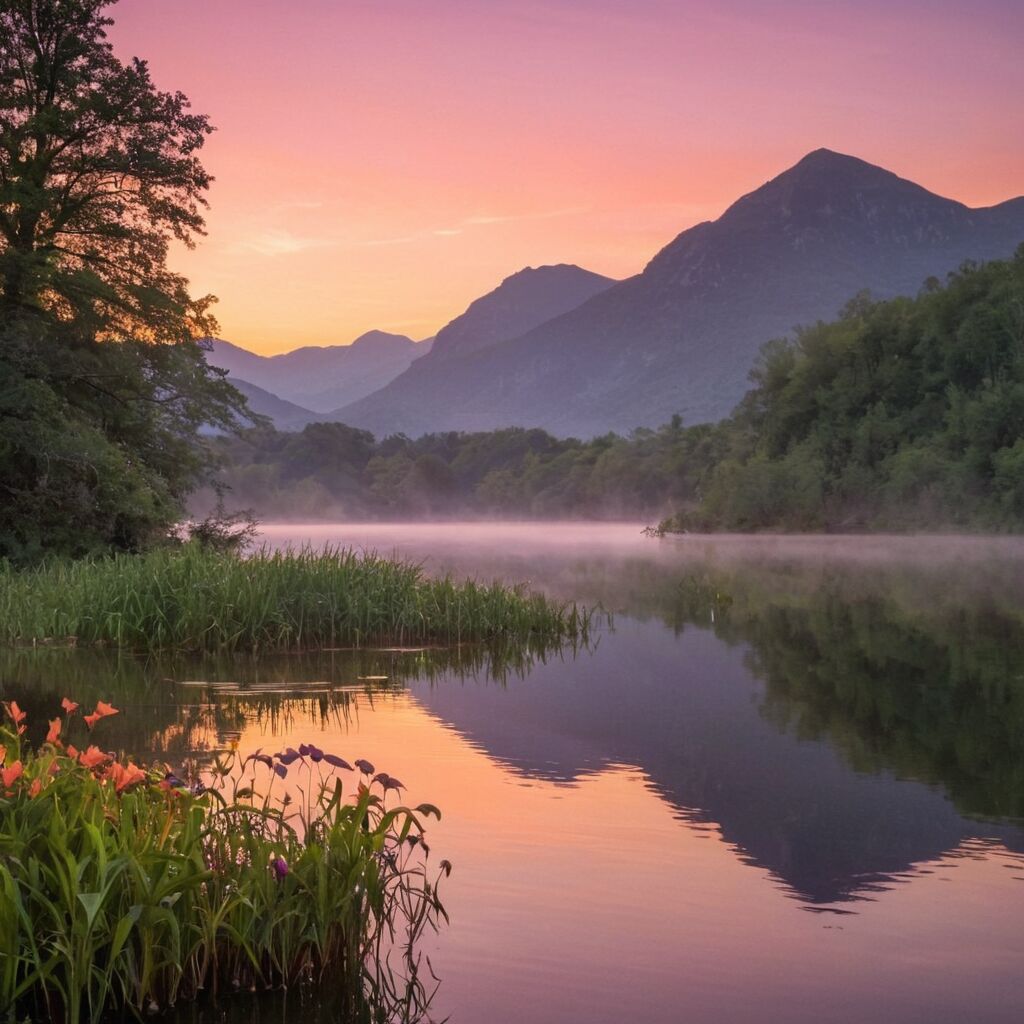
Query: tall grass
[(124, 888), (198, 599)]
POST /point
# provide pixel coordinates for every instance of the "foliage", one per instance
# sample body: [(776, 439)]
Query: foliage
[(331, 470), (103, 389), (100, 442), (98, 173), (899, 415), (127, 887), (204, 599)]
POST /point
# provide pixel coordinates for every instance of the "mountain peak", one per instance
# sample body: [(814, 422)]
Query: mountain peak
[(522, 301), (825, 178), (372, 338)]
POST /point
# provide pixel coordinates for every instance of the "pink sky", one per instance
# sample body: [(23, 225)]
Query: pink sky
[(381, 163)]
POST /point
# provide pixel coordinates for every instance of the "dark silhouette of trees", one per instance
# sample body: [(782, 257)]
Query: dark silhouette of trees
[(103, 386)]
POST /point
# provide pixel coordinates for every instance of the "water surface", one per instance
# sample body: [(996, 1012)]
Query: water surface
[(786, 783)]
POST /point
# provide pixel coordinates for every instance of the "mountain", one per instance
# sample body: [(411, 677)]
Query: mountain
[(682, 335), (520, 303), (285, 415), (322, 378)]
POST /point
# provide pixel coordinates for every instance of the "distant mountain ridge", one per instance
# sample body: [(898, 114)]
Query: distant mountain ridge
[(321, 378), (521, 302), (284, 414), (682, 335)]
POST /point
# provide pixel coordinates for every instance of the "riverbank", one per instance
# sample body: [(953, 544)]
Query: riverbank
[(196, 599)]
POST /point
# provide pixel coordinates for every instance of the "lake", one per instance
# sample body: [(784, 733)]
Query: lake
[(783, 781)]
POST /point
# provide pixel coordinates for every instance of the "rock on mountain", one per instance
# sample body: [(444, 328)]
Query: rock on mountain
[(682, 335), (322, 378), (521, 302)]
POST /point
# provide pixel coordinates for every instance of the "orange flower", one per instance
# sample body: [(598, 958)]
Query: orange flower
[(94, 758), (3, 754), (69, 706), (15, 712), (53, 735), (33, 790), (103, 710), (72, 752), (12, 774), (17, 715), (124, 776)]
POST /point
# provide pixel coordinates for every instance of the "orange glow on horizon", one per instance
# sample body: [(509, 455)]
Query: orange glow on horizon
[(380, 165)]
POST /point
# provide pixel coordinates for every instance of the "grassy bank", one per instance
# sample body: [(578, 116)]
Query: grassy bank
[(197, 599), (123, 887)]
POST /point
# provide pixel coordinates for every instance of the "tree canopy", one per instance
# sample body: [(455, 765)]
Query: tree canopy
[(99, 171), (104, 389)]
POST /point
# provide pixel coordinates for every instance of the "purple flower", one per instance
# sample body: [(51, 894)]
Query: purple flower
[(364, 766), (280, 770), (387, 781), (305, 750), (316, 755), (337, 762), (280, 867), (290, 755)]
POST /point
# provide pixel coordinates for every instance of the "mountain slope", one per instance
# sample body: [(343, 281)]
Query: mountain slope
[(284, 415), (318, 378), (683, 335), (521, 302)]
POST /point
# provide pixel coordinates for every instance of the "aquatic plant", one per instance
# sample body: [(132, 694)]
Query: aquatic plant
[(129, 887), (199, 599)]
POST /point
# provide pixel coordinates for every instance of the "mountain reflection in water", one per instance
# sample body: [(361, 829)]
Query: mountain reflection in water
[(808, 725)]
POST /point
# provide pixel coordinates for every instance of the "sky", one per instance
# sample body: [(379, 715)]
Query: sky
[(379, 164)]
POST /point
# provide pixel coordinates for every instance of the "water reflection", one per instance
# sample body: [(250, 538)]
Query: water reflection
[(782, 771)]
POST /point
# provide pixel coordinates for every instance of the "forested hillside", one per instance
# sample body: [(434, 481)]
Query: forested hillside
[(902, 414)]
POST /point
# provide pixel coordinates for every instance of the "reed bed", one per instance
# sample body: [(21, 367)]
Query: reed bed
[(124, 888), (197, 599)]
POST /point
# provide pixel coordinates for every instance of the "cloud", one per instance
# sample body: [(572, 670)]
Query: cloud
[(278, 243), (484, 219), (389, 241), (479, 220), (289, 205)]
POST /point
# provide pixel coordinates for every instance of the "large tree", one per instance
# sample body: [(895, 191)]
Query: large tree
[(99, 171), (104, 388)]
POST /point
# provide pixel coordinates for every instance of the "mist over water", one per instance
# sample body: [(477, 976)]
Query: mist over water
[(785, 781)]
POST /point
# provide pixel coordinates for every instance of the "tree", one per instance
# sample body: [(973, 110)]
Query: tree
[(104, 389), (99, 171)]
